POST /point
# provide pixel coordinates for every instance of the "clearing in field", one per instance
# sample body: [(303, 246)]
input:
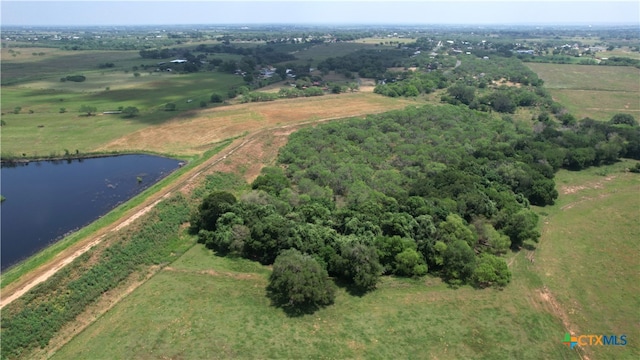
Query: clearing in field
[(191, 132), (598, 92)]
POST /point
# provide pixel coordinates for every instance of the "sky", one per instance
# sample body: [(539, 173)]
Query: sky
[(326, 12)]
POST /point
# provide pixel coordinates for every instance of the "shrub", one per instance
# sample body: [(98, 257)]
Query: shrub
[(299, 281), (76, 78)]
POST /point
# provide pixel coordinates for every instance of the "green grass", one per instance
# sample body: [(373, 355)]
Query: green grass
[(598, 92), (588, 77), (599, 105), (588, 255), (205, 306), (15, 272), (47, 131)]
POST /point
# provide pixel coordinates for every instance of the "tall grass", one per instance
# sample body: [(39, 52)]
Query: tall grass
[(33, 323), (15, 272)]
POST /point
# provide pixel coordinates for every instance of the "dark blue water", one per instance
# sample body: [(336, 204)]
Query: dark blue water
[(46, 200)]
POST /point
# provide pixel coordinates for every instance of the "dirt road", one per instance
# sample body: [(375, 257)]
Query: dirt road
[(184, 183), (14, 290)]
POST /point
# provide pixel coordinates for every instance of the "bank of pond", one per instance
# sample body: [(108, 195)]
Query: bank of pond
[(45, 200)]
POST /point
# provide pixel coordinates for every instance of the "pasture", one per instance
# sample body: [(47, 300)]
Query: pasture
[(588, 254), (206, 306), (598, 92), (42, 128), (190, 132)]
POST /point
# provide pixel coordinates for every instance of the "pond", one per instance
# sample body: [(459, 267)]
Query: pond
[(46, 200)]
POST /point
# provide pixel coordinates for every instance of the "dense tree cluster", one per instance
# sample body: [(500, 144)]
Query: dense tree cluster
[(443, 190), (411, 84), (366, 63)]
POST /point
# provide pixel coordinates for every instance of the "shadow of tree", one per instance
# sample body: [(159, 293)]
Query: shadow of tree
[(294, 310)]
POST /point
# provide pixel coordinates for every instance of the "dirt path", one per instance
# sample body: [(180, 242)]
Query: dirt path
[(41, 274), (184, 183)]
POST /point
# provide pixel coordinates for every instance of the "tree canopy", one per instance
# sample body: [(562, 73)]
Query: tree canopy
[(299, 281)]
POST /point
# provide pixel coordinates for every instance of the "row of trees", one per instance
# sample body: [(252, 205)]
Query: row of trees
[(366, 63)]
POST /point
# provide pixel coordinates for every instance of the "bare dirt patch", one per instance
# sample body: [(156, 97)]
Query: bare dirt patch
[(552, 305)]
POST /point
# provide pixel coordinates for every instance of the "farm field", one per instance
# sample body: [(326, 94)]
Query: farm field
[(207, 306), (49, 120), (598, 92)]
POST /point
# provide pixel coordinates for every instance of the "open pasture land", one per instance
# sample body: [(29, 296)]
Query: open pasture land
[(41, 128), (27, 67), (583, 280), (191, 132), (597, 92), (205, 306), (588, 255), (624, 51)]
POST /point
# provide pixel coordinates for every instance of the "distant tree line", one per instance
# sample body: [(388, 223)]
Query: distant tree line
[(366, 63)]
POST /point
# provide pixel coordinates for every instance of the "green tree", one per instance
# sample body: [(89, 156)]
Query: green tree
[(454, 228), (459, 262), (299, 282), (359, 264), (211, 208), (216, 98), (521, 227), (625, 119), (130, 111), (271, 180), (87, 109), (491, 271), (410, 263), (462, 93)]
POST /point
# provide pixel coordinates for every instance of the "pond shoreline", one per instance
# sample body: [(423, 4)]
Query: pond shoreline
[(81, 156), (52, 199)]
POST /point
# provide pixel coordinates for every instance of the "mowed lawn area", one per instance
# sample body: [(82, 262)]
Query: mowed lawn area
[(598, 92)]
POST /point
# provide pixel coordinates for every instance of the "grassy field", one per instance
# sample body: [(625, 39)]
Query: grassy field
[(211, 307), (205, 306), (588, 255), (592, 91), (41, 129), (191, 131), (620, 52)]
